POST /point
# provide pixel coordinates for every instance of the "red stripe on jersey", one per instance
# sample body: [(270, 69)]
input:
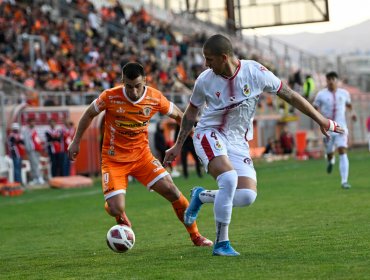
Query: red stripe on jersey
[(207, 148), (281, 85)]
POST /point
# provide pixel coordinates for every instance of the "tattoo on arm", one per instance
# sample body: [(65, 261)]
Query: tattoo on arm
[(186, 126)]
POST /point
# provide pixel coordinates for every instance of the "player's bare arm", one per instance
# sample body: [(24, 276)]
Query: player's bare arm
[(83, 124), (176, 114), (297, 101), (187, 124)]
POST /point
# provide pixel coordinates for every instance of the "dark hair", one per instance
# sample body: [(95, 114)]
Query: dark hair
[(132, 70), (218, 45), (332, 75)]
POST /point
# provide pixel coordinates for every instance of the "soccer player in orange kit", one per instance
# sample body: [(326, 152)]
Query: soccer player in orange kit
[(128, 110)]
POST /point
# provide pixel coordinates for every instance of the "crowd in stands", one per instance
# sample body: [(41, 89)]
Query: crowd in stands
[(86, 52)]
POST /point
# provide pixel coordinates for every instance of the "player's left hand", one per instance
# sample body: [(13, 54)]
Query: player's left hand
[(333, 126), (171, 155)]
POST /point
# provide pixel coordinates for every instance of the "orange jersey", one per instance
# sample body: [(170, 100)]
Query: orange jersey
[(126, 121)]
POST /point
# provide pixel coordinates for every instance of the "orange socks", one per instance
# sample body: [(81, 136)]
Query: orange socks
[(180, 206)]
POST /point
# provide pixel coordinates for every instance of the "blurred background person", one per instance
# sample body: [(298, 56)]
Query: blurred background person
[(368, 130), (69, 131), (54, 138), (34, 146), (287, 141), (188, 147), (308, 87), (17, 150)]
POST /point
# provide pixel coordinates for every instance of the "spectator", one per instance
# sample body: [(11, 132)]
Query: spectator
[(286, 141), (69, 131), (17, 150), (54, 138), (308, 87), (34, 147), (187, 148)]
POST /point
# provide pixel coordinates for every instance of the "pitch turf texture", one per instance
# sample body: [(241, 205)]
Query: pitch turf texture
[(302, 226)]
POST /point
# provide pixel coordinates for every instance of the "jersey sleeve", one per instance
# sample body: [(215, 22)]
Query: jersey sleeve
[(197, 99), (100, 102), (165, 106), (265, 79)]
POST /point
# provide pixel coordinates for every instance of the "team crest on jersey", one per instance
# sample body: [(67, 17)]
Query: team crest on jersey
[(248, 161), (218, 145), (146, 111), (157, 163), (246, 90), (218, 94)]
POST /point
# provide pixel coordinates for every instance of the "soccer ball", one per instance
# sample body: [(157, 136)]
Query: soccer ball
[(120, 238)]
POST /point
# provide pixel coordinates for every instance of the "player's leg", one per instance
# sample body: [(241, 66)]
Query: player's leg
[(246, 191), (329, 144), (114, 184), (115, 206), (152, 174), (227, 179), (212, 150), (341, 141)]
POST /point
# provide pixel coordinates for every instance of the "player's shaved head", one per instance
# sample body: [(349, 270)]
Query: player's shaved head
[(132, 70), (218, 45)]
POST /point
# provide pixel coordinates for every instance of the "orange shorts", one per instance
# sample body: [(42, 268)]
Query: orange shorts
[(147, 170)]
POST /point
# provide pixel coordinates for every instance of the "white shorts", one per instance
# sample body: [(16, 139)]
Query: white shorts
[(210, 143), (336, 140)]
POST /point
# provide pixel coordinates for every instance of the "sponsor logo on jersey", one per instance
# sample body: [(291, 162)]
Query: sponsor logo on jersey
[(246, 90), (147, 111), (120, 110), (135, 113), (117, 102), (113, 97), (130, 124), (218, 145), (152, 98)]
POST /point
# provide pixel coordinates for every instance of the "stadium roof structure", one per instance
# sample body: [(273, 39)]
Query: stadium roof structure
[(245, 14)]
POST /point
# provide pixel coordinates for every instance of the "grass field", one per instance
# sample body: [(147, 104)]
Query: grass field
[(302, 226)]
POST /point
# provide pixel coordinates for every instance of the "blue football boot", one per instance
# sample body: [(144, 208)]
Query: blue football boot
[(191, 213), (224, 248)]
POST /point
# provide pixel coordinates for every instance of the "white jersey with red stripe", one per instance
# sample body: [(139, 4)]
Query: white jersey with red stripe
[(230, 103), (333, 104)]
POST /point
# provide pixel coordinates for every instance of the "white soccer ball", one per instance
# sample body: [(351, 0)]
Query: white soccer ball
[(120, 238)]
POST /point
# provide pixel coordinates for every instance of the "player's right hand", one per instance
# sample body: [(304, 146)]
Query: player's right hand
[(73, 151)]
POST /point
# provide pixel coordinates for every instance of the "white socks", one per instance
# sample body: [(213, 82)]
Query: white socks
[(227, 183), (242, 197), (344, 167)]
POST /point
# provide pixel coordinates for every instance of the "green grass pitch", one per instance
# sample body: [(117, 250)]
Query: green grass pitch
[(302, 226)]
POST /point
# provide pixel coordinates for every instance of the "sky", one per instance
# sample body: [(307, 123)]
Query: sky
[(342, 14)]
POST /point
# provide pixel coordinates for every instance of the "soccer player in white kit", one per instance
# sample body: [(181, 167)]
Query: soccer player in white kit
[(229, 91), (332, 103)]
